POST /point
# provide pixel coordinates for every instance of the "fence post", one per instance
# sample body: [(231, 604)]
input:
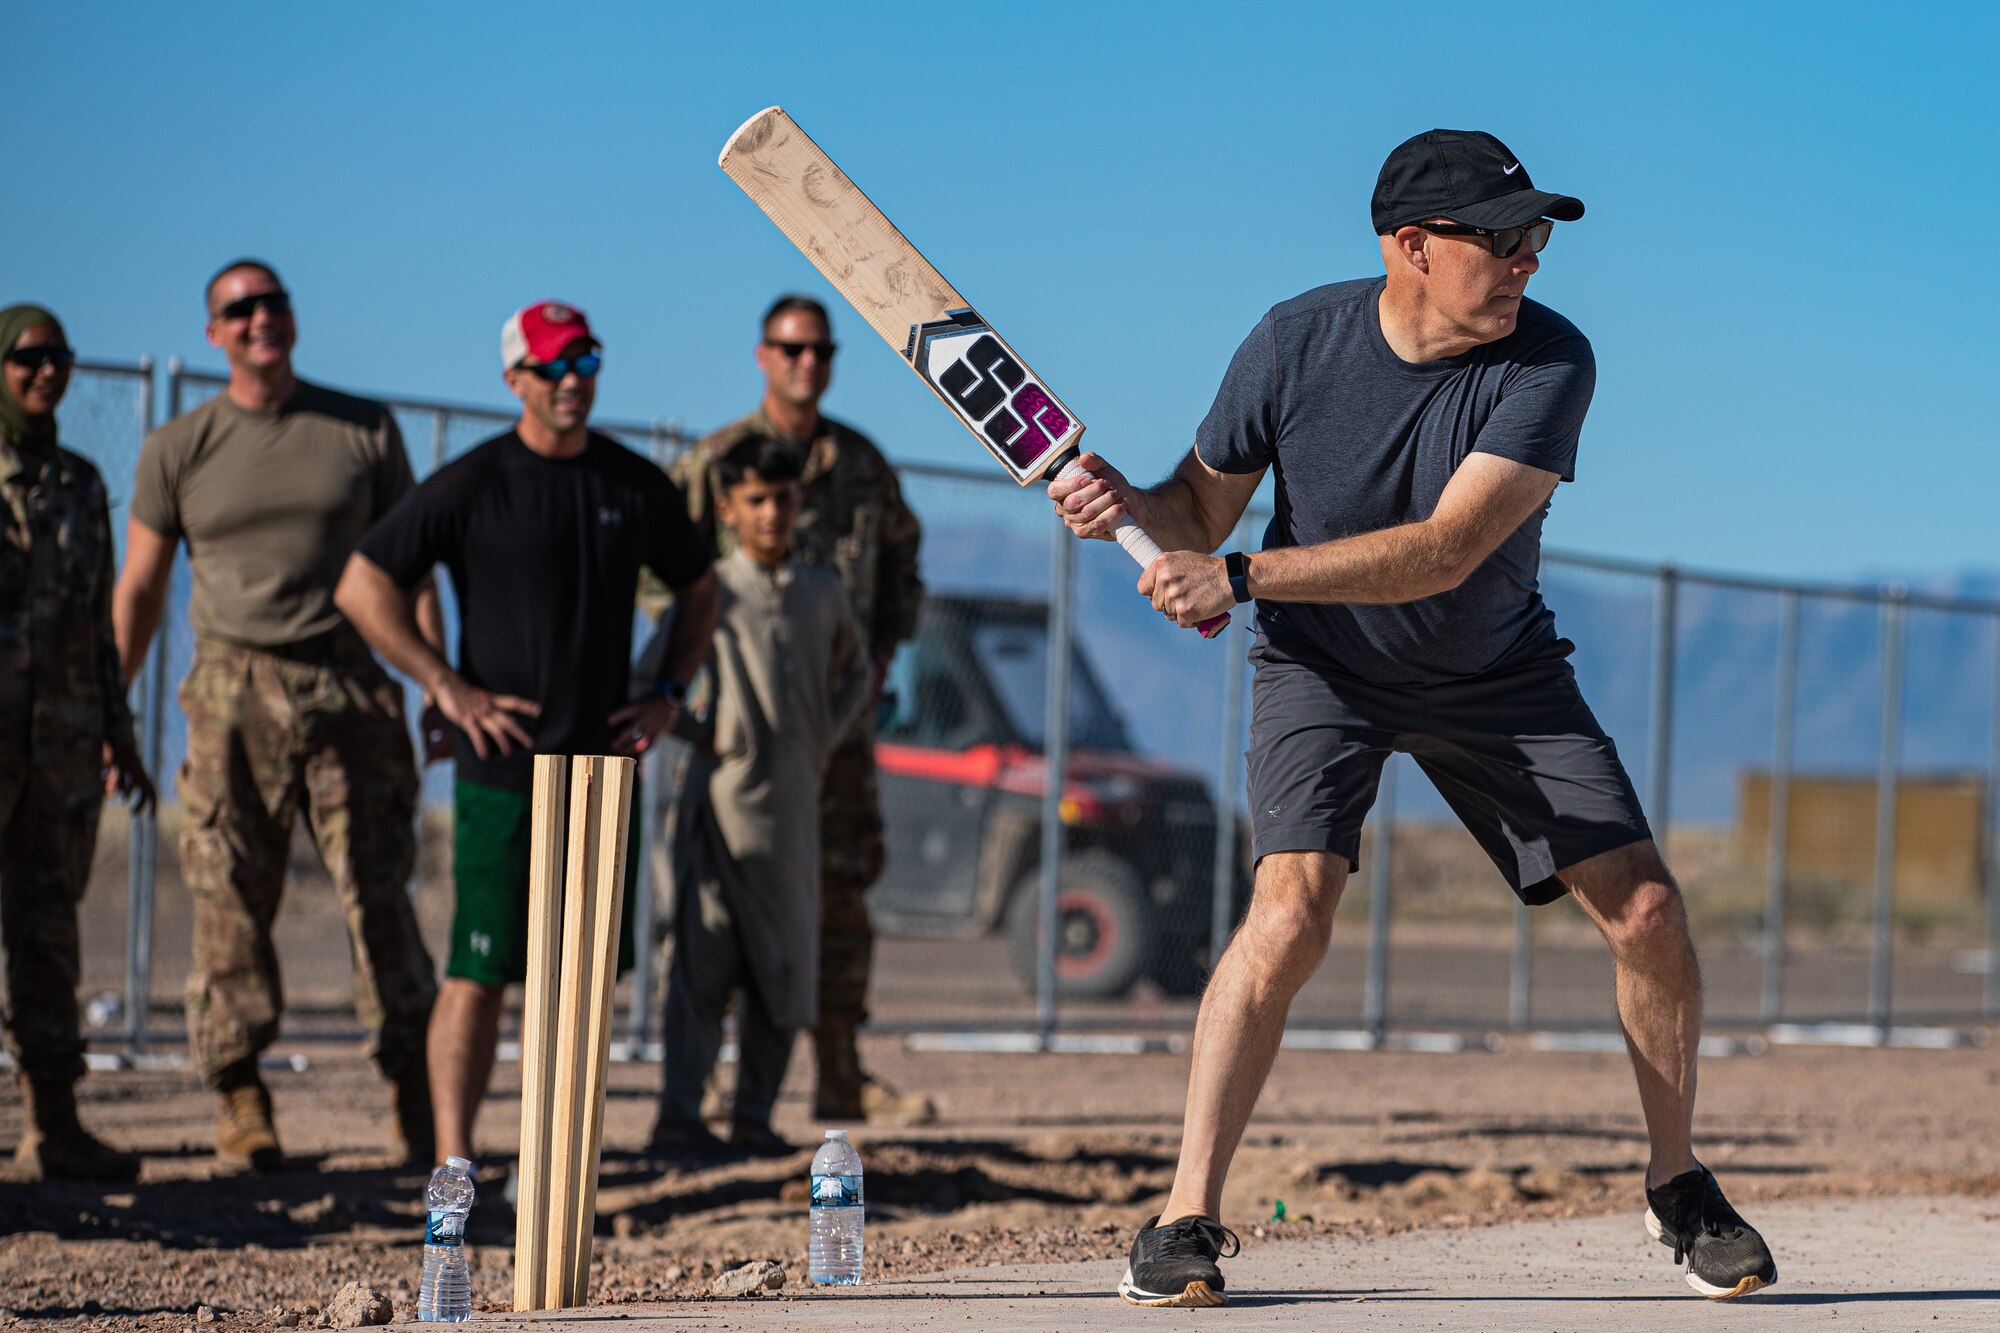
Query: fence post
[(1992, 847), (1375, 999), (141, 834), (1521, 972), (1660, 759), (1222, 890), (1887, 763), (1778, 861), (440, 434), (1055, 768)]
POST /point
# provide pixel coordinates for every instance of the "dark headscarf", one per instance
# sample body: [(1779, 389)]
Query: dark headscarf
[(16, 426)]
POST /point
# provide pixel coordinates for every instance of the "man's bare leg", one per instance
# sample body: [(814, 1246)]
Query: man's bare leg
[(1633, 899), (464, 1035), (1282, 940)]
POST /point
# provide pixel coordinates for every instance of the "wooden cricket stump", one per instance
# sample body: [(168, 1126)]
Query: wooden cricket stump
[(576, 897)]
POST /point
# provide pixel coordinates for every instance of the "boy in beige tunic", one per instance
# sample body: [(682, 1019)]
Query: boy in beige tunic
[(787, 675)]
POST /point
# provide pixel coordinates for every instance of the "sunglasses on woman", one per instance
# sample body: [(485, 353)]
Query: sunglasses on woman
[(34, 358), (1505, 242)]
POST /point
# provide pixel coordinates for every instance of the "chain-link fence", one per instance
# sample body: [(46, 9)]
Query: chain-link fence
[(1822, 762)]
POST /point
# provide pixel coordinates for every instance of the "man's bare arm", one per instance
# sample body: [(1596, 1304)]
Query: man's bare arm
[(696, 608), (430, 614), (139, 598), (386, 616), (1485, 501), (1195, 509)]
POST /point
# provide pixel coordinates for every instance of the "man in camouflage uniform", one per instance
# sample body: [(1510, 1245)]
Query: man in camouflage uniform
[(272, 483), (65, 737), (854, 522)]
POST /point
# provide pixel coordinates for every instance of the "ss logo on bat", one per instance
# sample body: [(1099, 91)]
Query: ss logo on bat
[(989, 388)]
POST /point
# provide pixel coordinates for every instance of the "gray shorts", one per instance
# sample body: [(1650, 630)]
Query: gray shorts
[(1516, 753)]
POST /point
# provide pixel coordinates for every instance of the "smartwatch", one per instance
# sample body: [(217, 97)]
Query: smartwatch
[(674, 692), (1238, 565)]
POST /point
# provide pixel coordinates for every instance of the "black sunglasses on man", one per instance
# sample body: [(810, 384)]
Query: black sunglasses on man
[(793, 351), (278, 302), (1504, 242)]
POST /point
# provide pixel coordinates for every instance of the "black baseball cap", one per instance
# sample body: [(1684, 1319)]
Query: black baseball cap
[(1465, 175)]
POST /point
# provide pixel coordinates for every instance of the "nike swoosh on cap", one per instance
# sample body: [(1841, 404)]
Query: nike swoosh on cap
[(1508, 171)]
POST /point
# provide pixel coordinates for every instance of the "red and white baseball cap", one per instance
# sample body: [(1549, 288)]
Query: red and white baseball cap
[(542, 329)]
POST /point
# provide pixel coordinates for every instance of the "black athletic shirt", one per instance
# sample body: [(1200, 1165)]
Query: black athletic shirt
[(1362, 440), (544, 557)]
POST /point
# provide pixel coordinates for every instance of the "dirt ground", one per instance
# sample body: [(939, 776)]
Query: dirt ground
[(1035, 1157)]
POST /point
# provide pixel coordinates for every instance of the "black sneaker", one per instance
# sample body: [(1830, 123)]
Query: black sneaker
[(1724, 1254), (1174, 1265)]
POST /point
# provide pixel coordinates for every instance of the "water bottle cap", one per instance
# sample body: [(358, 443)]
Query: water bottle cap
[(459, 1164), (840, 1134)]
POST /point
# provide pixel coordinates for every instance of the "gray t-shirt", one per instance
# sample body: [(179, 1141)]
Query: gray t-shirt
[(271, 504), (1362, 440)]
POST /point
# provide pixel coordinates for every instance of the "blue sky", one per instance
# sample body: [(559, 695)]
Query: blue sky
[(1786, 269)]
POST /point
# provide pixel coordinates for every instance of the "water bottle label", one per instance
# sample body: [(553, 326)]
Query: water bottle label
[(446, 1227), (836, 1192)]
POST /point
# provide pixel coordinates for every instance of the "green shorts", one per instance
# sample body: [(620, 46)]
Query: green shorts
[(489, 867)]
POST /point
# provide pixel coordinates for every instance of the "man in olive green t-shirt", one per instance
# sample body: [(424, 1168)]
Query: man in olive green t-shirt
[(271, 484)]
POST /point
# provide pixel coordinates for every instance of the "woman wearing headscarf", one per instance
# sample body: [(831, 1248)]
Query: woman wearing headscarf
[(65, 737)]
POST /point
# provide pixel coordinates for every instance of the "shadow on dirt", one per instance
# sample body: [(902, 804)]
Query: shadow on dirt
[(912, 1177), (1563, 1129), (280, 1211)]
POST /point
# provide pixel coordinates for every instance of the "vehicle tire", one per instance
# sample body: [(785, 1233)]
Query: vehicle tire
[(1104, 927)]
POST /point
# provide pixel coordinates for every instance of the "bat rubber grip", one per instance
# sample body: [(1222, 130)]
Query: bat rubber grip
[(1143, 549)]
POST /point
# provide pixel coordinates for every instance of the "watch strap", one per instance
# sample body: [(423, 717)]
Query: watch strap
[(1237, 565)]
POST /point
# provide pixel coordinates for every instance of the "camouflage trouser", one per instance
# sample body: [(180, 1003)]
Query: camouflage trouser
[(851, 858), (268, 737), (48, 829)]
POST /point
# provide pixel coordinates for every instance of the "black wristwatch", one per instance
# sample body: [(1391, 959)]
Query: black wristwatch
[(1238, 565), (674, 692)]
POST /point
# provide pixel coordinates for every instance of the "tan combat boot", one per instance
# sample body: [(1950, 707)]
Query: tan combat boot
[(56, 1146), (883, 1105), (414, 1141), (246, 1140)]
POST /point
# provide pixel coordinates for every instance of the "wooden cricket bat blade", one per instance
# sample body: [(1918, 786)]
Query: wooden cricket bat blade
[(964, 360)]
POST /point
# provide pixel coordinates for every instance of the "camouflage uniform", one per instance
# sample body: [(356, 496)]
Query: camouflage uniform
[(62, 696), (319, 729), (854, 522)]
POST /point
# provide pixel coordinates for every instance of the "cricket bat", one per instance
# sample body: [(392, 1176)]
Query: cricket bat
[(984, 382)]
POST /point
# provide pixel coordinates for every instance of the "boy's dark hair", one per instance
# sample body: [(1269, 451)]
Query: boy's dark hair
[(789, 302), (771, 461)]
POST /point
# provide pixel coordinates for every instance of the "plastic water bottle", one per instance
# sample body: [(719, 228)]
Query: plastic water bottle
[(834, 1250), (447, 1290)]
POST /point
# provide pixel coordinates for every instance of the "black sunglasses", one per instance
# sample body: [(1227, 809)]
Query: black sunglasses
[(278, 303), (793, 351), (556, 371), (1504, 242), (34, 358)]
